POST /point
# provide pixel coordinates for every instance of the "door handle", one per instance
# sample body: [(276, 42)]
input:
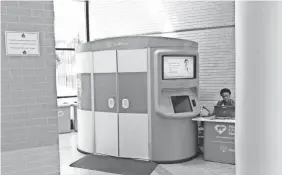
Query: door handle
[(111, 103), (125, 103)]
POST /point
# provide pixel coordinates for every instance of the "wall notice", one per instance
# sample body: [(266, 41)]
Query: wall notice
[(22, 43)]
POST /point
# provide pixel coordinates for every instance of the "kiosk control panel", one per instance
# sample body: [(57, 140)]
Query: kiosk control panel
[(176, 83)]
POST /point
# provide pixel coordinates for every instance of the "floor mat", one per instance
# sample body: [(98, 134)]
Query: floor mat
[(115, 165)]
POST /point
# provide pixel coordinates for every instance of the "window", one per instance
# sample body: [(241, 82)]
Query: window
[(71, 29), (66, 73), (70, 26)]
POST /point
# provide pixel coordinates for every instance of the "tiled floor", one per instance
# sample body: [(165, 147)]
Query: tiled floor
[(69, 154), (200, 167)]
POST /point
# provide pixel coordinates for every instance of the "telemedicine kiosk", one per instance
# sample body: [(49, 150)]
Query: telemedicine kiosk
[(137, 96)]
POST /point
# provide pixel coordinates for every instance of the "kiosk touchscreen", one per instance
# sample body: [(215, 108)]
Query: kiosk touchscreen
[(176, 84), (181, 104)]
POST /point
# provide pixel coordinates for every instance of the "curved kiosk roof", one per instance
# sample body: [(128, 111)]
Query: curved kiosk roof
[(134, 42)]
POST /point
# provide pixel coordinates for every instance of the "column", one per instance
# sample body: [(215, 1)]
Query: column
[(258, 88)]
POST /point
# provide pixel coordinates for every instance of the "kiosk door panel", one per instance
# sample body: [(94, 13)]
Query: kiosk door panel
[(105, 102), (133, 115), (133, 139), (106, 133)]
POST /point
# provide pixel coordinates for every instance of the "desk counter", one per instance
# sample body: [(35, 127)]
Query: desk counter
[(211, 119), (219, 139)]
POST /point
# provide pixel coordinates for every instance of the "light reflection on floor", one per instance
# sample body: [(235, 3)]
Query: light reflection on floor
[(69, 154)]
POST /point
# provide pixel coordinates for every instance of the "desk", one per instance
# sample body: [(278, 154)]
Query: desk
[(219, 143)]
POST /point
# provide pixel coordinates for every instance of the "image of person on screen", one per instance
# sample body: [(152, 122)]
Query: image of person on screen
[(225, 93), (186, 62)]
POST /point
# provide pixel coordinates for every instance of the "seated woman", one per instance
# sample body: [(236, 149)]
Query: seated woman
[(226, 100)]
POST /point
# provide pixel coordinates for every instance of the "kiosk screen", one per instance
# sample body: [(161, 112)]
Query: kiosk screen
[(178, 67), (181, 104)]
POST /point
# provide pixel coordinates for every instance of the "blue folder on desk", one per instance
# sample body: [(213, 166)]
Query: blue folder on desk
[(224, 111)]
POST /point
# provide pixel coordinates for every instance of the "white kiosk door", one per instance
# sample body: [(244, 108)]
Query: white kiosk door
[(120, 99), (133, 114), (105, 102)]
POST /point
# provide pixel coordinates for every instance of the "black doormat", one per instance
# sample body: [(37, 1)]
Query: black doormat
[(115, 165)]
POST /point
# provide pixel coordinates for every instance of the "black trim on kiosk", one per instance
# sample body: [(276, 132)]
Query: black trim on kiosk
[(83, 152), (158, 162), (179, 161)]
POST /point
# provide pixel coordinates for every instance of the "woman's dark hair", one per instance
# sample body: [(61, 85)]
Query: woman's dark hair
[(225, 90)]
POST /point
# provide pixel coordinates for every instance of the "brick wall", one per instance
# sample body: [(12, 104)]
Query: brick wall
[(209, 23), (28, 93)]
